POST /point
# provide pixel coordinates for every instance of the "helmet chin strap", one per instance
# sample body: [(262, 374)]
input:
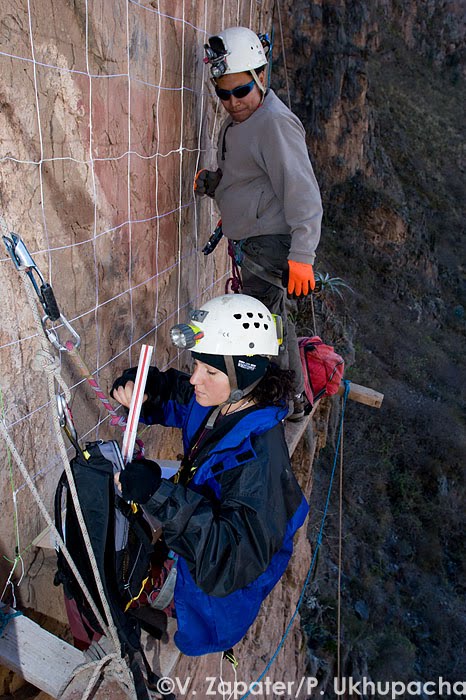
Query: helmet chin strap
[(258, 83), (235, 393)]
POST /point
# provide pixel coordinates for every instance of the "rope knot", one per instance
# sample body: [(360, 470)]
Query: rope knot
[(45, 361)]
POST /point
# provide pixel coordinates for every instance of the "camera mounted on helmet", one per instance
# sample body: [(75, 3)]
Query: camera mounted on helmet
[(236, 50), (216, 55)]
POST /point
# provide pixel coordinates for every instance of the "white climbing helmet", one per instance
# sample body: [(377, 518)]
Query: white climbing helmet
[(234, 50), (232, 324)]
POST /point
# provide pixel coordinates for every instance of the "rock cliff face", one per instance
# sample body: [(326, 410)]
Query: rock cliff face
[(106, 114), (380, 89), (95, 175)]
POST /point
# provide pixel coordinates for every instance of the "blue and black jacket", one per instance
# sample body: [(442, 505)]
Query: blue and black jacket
[(232, 523)]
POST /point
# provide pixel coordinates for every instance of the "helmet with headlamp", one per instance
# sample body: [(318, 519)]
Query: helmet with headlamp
[(236, 334), (232, 324), (236, 50)]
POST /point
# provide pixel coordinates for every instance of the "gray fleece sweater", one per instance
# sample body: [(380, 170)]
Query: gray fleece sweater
[(268, 185)]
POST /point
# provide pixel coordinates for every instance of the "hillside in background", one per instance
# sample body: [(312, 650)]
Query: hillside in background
[(380, 89)]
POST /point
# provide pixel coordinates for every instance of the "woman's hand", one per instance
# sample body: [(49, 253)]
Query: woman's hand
[(123, 394), (116, 479)]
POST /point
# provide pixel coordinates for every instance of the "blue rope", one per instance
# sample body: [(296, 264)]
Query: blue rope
[(5, 619), (314, 557)]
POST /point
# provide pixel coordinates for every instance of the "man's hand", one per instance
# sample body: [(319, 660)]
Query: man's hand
[(206, 181), (300, 278)]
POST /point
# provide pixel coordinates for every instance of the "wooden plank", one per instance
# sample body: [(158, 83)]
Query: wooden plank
[(37, 655), (44, 539), (363, 394), (294, 430)]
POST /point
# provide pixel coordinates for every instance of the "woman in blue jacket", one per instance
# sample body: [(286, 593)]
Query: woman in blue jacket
[(232, 509)]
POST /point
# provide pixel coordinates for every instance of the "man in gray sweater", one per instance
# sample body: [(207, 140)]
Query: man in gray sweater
[(264, 186)]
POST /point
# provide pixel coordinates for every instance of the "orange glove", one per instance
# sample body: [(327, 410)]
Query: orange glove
[(300, 278), (206, 181)]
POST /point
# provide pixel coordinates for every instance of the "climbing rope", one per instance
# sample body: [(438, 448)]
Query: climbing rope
[(98, 667), (50, 364), (277, 4), (316, 550), (115, 418), (340, 531), (18, 557)]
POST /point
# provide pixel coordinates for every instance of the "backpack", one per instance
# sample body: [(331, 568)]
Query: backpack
[(121, 539), (322, 369)]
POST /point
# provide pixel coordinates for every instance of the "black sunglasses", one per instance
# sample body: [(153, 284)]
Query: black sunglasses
[(239, 92)]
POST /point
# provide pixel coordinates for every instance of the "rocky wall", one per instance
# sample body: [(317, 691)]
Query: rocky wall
[(106, 113)]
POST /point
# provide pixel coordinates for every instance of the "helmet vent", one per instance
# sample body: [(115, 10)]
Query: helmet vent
[(246, 325), (257, 325), (237, 315), (266, 326), (249, 314)]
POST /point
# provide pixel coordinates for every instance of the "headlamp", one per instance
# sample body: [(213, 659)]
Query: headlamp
[(216, 55), (185, 336)]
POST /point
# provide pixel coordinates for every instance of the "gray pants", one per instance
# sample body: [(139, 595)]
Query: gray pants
[(271, 253)]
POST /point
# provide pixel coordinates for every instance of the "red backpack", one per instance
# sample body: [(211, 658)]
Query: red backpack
[(322, 368)]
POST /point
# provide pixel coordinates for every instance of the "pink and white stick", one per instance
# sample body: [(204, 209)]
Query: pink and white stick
[(129, 437)]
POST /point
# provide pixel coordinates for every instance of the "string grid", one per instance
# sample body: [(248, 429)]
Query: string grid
[(107, 113)]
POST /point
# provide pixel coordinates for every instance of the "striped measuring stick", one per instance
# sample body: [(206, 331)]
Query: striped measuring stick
[(129, 437)]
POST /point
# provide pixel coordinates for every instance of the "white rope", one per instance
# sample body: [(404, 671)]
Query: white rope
[(198, 159), (41, 142), (94, 193), (157, 179), (180, 196), (98, 666), (52, 372), (284, 52), (51, 368)]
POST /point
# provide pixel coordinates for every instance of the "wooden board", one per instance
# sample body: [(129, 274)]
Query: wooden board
[(37, 655), (363, 394), (294, 430)]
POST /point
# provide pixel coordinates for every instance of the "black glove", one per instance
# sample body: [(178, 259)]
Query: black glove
[(140, 480), (206, 181), (129, 375), (152, 387)]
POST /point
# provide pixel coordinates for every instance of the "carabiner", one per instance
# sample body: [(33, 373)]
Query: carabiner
[(67, 425), (23, 260), (66, 420), (52, 334)]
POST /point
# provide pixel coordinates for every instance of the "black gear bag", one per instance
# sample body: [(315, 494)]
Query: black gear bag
[(121, 540)]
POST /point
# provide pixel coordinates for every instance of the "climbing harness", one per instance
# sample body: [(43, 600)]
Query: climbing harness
[(235, 283)]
